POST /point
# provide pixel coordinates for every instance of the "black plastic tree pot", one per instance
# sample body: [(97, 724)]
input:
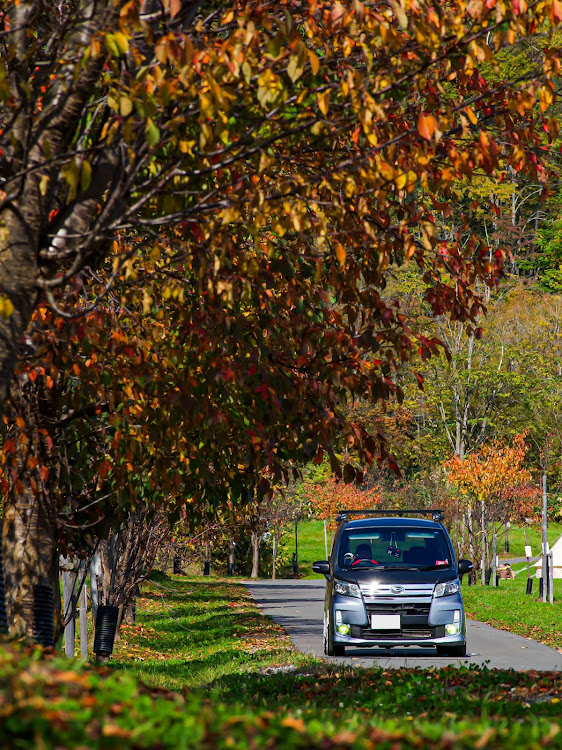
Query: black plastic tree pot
[(43, 615), (3, 613), (106, 627)]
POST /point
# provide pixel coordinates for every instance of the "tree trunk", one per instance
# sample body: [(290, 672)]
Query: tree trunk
[(208, 557), (30, 558), (484, 559), (18, 273), (470, 530), (256, 542), (274, 563), (130, 608), (231, 555)]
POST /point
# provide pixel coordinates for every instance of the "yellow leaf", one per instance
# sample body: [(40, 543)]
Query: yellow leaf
[(471, 116), (294, 68), (44, 182), (401, 180), (546, 97), (314, 62), (125, 105), (398, 11), (323, 101), (122, 42), (229, 215), (146, 303)]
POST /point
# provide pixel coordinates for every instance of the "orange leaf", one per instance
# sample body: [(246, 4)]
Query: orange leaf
[(426, 126), (340, 254), (556, 11), (175, 7)]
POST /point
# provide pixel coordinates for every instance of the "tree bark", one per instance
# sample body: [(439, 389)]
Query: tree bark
[(484, 542), (274, 563), (30, 557), (256, 542), (231, 555)]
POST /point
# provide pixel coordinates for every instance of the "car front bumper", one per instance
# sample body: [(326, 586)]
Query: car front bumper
[(422, 622)]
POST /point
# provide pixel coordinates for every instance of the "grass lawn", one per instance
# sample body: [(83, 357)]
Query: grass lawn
[(508, 607), (534, 539), (209, 659), (311, 545), (191, 631)]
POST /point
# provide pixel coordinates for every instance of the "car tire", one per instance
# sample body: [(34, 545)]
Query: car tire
[(331, 649), (452, 651)]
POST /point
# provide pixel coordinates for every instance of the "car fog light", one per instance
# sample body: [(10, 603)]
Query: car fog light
[(451, 629), (343, 629), (457, 616), (338, 617)]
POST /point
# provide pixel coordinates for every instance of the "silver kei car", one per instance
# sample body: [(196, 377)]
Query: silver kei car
[(393, 580)]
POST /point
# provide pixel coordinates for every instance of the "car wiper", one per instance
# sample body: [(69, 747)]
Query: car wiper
[(401, 567), (435, 567)]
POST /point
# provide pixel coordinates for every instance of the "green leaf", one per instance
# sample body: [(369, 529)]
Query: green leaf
[(152, 133)]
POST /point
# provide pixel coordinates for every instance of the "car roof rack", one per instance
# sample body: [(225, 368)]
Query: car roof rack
[(437, 513)]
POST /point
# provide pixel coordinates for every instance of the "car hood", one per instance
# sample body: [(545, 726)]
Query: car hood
[(397, 576)]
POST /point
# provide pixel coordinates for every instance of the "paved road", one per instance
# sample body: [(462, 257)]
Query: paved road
[(298, 606)]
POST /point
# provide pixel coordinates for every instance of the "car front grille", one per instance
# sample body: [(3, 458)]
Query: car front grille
[(401, 608), (411, 632)]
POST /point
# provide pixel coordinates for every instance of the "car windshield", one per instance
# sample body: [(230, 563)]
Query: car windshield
[(393, 547)]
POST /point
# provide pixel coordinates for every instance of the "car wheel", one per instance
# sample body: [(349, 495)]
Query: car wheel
[(452, 651), (327, 649), (331, 649)]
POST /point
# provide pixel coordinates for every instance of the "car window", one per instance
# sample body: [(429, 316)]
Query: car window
[(388, 546)]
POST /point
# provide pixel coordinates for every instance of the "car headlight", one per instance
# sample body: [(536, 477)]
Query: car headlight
[(347, 589), (446, 589)]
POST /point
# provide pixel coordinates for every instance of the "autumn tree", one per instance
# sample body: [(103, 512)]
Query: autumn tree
[(121, 115), (495, 480), (332, 495)]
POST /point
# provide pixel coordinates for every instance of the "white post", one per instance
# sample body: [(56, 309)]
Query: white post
[(69, 605), (551, 577), (326, 539), (544, 540), (484, 560), (83, 611), (94, 587), (495, 560)]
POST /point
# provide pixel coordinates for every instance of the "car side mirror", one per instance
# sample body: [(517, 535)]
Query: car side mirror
[(464, 566), (321, 566)]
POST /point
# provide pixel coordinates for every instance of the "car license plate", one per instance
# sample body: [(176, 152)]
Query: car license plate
[(385, 622)]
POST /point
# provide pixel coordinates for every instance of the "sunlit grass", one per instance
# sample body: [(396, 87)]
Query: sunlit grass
[(508, 607), (191, 631)]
